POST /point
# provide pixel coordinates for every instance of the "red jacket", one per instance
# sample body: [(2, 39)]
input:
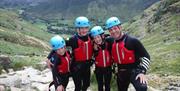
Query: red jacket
[(84, 51), (64, 64), (122, 55), (103, 59)]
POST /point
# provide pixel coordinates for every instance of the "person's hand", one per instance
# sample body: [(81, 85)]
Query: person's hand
[(49, 64), (60, 88), (142, 78)]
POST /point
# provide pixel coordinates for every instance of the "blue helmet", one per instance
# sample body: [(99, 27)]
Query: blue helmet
[(57, 42), (82, 22), (96, 30), (113, 21)]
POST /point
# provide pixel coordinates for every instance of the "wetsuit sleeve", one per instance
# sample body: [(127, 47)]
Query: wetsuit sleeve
[(110, 42), (144, 56), (72, 42), (68, 42), (57, 80), (50, 54)]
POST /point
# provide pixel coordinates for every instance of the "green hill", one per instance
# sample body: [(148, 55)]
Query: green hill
[(159, 30), (94, 9), (22, 40)]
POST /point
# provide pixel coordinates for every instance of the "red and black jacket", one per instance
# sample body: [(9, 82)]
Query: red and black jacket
[(61, 67), (64, 66), (103, 57), (121, 54), (129, 53), (82, 48), (84, 51)]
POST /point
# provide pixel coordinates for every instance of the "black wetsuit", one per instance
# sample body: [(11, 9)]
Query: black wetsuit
[(128, 72), (104, 74)]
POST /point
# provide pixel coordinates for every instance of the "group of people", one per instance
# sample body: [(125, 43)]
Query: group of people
[(117, 53)]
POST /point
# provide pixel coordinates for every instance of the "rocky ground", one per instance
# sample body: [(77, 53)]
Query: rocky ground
[(31, 79)]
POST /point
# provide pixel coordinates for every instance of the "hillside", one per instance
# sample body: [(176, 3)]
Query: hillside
[(22, 41), (158, 27), (69, 9), (159, 30)]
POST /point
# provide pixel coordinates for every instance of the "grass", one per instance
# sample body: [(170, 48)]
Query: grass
[(13, 22), (36, 30), (17, 49), (161, 39), (15, 41), (18, 62)]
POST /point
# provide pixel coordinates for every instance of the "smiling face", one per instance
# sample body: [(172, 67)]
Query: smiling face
[(83, 31), (115, 32), (61, 51), (98, 39)]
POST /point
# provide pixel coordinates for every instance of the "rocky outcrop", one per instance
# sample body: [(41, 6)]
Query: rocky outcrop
[(5, 62), (28, 79)]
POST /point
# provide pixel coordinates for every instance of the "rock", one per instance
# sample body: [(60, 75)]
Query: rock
[(3, 71), (175, 86), (52, 88), (14, 80), (40, 86), (70, 86), (2, 88), (152, 89), (10, 70), (15, 89), (175, 8), (3, 76), (131, 88), (25, 80), (30, 79), (178, 38), (5, 62), (41, 66), (12, 73)]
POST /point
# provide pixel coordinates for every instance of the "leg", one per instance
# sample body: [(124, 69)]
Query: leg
[(99, 78), (136, 83), (123, 80), (66, 80), (77, 81), (86, 78), (107, 79)]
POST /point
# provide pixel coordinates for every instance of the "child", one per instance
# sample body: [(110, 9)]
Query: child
[(61, 66), (103, 59)]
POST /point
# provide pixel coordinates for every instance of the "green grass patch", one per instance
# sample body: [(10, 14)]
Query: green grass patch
[(34, 30), (18, 62), (16, 49)]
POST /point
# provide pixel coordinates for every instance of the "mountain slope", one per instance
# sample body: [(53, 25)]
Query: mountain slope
[(95, 9), (159, 30), (24, 43), (18, 37)]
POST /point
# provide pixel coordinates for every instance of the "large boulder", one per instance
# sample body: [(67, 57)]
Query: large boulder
[(5, 63)]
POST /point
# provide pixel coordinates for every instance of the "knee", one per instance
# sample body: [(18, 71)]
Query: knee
[(141, 87)]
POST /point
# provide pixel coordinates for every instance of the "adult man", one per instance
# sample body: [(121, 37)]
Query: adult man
[(131, 57)]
